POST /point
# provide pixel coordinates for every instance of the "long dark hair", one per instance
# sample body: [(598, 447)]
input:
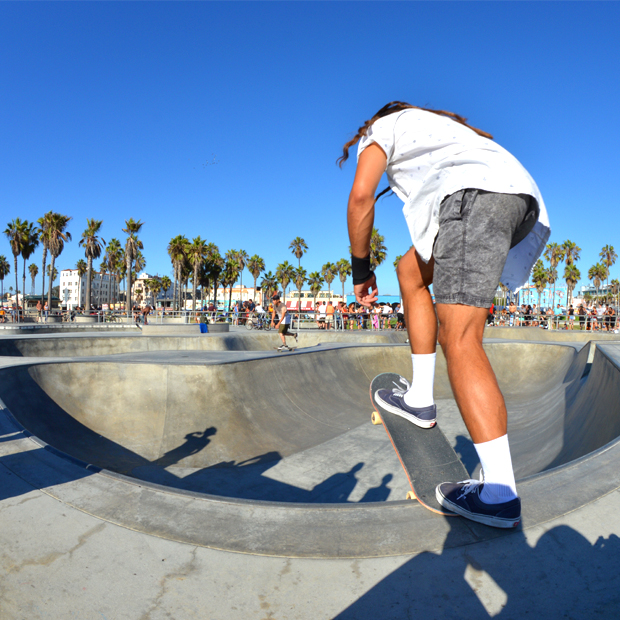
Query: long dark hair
[(397, 106)]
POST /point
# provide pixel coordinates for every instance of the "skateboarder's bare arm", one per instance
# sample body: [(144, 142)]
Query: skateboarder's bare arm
[(361, 213)]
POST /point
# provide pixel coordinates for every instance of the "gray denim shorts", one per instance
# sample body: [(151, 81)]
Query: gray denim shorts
[(476, 231)]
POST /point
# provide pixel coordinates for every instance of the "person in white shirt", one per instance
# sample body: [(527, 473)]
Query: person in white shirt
[(476, 217)]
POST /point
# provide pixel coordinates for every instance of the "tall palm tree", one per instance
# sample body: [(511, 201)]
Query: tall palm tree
[(256, 265), (554, 253), (156, 286), (615, 288), (31, 241), (57, 237), (299, 277), (298, 247), (45, 224), (196, 254), (315, 282), (34, 272), (166, 283), (132, 245), (269, 284), (242, 259), (378, 251), (343, 266), (572, 275), (596, 274), (539, 277), (232, 268), (5, 270), (285, 273), (17, 234), (176, 251), (93, 246), (216, 267), (608, 258), (114, 259), (329, 270)]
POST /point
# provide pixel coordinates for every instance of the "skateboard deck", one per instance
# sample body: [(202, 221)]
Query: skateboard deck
[(424, 453), (290, 350)]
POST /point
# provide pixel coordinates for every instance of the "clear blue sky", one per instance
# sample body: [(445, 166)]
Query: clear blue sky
[(224, 120)]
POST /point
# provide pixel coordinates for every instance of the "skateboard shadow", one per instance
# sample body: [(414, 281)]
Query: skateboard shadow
[(560, 575)]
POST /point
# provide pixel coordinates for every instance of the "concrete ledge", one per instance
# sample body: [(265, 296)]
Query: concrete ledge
[(219, 328), (163, 329), (86, 319)]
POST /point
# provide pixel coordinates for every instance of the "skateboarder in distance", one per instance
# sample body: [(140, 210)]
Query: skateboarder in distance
[(284, 322), (476, 217)]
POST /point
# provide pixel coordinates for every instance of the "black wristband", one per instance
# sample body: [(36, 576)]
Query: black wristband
[(360, 268)]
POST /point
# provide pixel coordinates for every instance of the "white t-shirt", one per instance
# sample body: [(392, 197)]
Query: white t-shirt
[(322, 310), (430, 157)]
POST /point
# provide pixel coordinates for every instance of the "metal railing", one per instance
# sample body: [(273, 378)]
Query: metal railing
[(589, 322)]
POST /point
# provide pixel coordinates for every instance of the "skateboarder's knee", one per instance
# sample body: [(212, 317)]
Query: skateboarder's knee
[(413, 273)]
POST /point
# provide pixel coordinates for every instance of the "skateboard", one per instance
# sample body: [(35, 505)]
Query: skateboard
[(290, 350), (424, 453)]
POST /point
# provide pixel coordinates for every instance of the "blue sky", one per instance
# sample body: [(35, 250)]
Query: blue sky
[(224, 120)]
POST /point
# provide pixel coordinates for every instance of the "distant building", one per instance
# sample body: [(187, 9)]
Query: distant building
[(104, 289)]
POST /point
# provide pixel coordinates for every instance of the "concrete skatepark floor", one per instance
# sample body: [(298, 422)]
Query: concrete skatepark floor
[(58, 560)]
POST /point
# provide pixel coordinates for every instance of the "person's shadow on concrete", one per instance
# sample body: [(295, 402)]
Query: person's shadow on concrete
[(194, 443), (562, 575)]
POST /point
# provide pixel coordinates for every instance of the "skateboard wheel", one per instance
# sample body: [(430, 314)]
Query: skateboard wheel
[(410, 495), (375, 418)]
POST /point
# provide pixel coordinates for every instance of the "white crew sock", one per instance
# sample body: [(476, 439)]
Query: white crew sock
[(499, 478), (420, 394)]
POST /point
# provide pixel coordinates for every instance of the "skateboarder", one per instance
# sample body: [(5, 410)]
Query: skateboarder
[(279, 310), (476, 217)]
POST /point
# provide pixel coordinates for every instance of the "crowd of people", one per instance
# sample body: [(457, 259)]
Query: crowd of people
[(588, 317)]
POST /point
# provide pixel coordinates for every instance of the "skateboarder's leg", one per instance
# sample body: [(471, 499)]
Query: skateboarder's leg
[(415, 276)]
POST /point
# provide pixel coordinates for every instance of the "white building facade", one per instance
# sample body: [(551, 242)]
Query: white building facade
[(104, 289)]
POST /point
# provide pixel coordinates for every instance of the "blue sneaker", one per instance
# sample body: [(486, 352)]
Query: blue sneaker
[(464, 499), (394, 402)]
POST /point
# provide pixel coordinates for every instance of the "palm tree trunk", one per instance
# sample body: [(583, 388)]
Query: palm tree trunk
[(195, 288), (128, 287), (89, 268), (43, 274), (16, 289), (49, 290)]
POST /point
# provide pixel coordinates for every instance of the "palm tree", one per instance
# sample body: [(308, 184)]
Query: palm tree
[(572, 275), (539, 277), (34, 272), (156, 286), (242, 259), (93, 246), (571, 251), (315, 281), (31, 242), (166, 283), (17, 234), (299, 277), (269, 284), (45, 224), (597, 273), (230, 274), (329, 270), (57, 237), (298, 247), (132, 245), (232, 268), (554, 253), (196, 253), (343, 266), (103, 271), (608, 256), (114, 259), (256, 265), (82, 268), (5, 270), (176, 251), (552, 276), (396, 261), (216, 267), (285, 273), (378, 251)]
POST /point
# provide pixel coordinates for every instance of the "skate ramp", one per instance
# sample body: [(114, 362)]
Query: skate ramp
[(139, 418)]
